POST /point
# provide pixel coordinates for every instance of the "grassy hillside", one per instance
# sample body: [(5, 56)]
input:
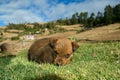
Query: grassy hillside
[(92, 61)]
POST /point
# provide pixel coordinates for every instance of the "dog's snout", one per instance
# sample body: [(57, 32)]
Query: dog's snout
[(59, 62)]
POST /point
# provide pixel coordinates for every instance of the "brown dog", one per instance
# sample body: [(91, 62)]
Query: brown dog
[(58, 51)]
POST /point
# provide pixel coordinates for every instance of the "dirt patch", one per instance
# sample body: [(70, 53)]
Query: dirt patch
[(9, 35)]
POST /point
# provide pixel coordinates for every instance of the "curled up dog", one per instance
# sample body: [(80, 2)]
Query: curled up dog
[(58, 51)]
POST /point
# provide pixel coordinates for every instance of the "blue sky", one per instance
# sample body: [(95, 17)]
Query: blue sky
[(21, 11)]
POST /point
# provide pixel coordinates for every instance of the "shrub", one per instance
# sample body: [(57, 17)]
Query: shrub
[(82, 30), (1, 39), (15, 38), (118, 28), (73, 38)]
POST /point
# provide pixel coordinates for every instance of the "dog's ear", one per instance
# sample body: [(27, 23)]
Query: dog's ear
[(75, 46), (52, 42)]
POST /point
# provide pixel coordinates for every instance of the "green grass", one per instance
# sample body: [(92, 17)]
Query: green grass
[(92, 61)]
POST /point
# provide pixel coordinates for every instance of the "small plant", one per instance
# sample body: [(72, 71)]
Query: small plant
[(74, 38), (118, 28), (82, 30), (57, 30), (15, 38), (1, 39)]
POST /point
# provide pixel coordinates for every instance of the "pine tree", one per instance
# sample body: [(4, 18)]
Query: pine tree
[(85, 18), (108, 14), (67, 21), (99, 19), (80, 18), (91, 20), (76, 15), (116, 12), (74, 19)]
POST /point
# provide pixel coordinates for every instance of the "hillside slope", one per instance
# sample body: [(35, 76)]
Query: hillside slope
[(104, 33), (109, 32)]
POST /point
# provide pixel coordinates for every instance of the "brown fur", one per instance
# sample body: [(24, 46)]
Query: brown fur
[(5, 47), (52, 50)]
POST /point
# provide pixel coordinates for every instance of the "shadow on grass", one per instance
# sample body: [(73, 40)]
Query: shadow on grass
[(46, 77), (5, 60)]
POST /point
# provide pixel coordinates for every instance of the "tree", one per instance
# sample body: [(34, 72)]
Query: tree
[(99, 19), (108, 14), (74, 19), (91, 20), (116, 12), (59, 21), (67, 21), (49, 25), (85, 17), (76, 15), (80, 18)]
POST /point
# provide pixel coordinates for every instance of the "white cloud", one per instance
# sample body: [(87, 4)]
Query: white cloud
[(62, 10), (21, 16), (16, 12), (19, 11), (41, 4)]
